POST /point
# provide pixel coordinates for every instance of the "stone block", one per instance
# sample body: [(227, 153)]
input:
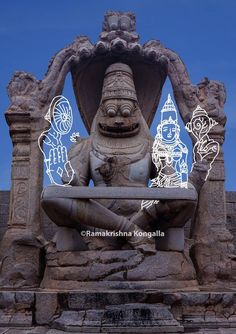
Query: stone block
[(214, 298), (55, 331), (171, 298), (228, 299), (7, 300), (15, 319), (21, 319), (195, 298), (98, 300), (23, 330), (69, 319), (5, 318), (93, 318), (138, 315), (25, 298), (45, 308)]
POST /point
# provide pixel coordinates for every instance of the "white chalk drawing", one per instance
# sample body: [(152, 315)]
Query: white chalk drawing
[(60, 117), (169, 153), (74, 137), (205, 147)]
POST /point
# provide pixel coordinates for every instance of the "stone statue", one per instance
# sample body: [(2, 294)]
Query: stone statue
[(117, 154), (117, 84), (180, 279)]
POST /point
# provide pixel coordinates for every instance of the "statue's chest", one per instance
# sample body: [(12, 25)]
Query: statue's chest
[(169, 154), (120, 170)]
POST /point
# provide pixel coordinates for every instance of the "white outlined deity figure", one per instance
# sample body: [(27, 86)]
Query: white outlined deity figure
[(205, 147), (169, 153), (60, 117)]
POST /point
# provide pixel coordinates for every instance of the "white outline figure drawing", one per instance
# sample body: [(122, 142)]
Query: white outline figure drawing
[(169, 153), (205, 147), (60, 117)]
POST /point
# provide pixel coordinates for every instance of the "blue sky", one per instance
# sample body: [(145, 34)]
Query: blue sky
[(202, 32)]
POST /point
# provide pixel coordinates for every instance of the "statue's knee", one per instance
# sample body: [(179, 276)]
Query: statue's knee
[(47, 201), (191, 206), (58, 205)]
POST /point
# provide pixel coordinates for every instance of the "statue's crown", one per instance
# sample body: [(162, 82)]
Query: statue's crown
[(169, 105), (168, 112), (118, 82)]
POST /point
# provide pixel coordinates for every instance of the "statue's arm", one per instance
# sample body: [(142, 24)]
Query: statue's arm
[(62, 62), (184, 165), (198, 174), (154, 171), (78, 156), (54, 79)]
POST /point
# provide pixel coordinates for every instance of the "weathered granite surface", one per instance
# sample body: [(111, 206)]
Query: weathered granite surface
[(141, 311)]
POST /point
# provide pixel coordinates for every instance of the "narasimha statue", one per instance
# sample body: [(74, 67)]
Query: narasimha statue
[(117, 84), (118, 153)]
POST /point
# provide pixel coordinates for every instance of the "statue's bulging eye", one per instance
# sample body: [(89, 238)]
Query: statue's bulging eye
[(111, 111), (126, 112)]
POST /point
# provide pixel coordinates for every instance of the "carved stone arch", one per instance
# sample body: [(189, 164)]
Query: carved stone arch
[(88, 80)]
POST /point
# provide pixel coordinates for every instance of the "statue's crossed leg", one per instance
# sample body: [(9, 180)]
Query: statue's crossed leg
[(74, 212)]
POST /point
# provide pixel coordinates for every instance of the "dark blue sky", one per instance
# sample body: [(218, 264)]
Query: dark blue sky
[(202, 32)]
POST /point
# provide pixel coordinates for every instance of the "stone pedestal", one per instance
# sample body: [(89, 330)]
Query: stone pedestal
[(117, 269)]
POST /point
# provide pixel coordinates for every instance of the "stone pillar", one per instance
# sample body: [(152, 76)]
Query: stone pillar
[(213, 243), (20, 247), (20, 263)]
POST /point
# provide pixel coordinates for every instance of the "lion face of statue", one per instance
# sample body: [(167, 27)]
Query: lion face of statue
[(119, 118)]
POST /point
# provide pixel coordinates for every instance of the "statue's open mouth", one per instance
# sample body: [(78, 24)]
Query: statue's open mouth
[(119, 131)]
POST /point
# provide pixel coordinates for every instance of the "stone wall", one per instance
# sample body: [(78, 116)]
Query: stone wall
[(49, 228)]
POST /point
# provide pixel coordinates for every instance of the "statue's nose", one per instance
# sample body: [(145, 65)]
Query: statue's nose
[(119, 123)]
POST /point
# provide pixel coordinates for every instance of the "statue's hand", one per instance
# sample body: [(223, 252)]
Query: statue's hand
[(68, 173), (199, 173), (59, 165)]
